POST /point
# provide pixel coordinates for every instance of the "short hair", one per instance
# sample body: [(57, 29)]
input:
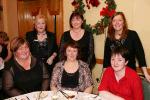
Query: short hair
[(4, 36), (111, 30), (40, 16), (16, 43), (122, 50), (78, 15), (72, 45)]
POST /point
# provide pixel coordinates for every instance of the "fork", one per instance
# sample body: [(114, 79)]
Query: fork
[(65, 94)]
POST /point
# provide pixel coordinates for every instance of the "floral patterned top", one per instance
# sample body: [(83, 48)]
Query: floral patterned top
[(85, 77)]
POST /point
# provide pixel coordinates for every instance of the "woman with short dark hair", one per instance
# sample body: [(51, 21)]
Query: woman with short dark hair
[(71, 73), (82, 37)]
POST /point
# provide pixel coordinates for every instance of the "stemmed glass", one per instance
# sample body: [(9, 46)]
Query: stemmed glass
[(55, 95)]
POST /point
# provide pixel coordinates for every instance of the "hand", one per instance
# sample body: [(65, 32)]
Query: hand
[(1, 63), (49, 60), (147, 76), (1, 48)]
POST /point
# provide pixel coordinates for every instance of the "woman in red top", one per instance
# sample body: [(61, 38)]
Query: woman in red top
[(119, 82)]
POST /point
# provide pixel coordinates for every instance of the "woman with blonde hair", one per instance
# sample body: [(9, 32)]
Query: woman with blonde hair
[(42, 43)]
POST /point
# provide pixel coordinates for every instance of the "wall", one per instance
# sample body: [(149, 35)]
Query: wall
[(137, 17), (10, 17), (135, 11)]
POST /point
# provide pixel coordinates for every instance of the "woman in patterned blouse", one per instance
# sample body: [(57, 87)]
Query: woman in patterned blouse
[(71, 73)]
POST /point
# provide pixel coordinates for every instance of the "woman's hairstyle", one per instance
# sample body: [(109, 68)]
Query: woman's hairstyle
[(122, 50), (72, 45), (78, 15), (17, 42), (111, 30), (4, 36), (40, 17)]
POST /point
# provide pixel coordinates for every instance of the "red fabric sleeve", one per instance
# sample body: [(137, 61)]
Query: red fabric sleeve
[(105, 81), (137, 89)]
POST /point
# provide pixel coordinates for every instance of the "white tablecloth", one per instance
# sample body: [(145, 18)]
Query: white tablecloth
[(50, 95)]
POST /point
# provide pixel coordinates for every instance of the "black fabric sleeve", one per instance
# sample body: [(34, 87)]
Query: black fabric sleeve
[(139, 51), (8, 84), (62, 43), (91, 55), (45, 83), (107, 53)]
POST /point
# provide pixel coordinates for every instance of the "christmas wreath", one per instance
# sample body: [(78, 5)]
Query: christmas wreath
[(106, 13)]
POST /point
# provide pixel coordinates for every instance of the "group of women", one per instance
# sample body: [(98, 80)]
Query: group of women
[(31, 66)]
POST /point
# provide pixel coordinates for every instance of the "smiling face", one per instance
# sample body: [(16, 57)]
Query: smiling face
[(71, 53), (118, 63), (76, 22), (40, 25), (118, 23), (23, 52)]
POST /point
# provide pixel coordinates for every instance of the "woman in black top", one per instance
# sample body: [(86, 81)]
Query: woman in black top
[(42, 43), (24, 73), (5, 53), (71, 73), (119, 34), (82, 37)]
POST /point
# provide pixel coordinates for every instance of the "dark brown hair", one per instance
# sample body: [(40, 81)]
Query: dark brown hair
[(78, 15), (72, 45), (111, 30), (122, 50), (16, 43), (4, 36)]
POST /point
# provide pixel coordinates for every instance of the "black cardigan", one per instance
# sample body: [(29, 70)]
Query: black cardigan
[(135, 48)]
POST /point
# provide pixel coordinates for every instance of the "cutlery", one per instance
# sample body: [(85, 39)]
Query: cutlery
[(39, 96), (66, 95), (27, 97)]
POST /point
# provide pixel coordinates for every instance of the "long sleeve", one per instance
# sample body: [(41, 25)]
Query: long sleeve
[(107, 53), (137, 90), (8, 84), (88, 77), (103, 86), (30, 36), (91, 55), (139, 51), (55, 75), (45, 83), (52, 45), (62, 43)]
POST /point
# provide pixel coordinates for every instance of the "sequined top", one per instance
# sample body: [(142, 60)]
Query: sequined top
[(85, 77)]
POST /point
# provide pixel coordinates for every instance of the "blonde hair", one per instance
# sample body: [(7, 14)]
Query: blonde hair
[(40, 17)]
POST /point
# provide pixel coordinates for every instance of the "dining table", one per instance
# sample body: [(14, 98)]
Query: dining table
[(56, 95)]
